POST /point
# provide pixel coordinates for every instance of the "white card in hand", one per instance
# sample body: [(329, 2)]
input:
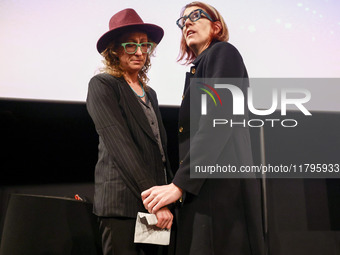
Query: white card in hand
[(147, 232)]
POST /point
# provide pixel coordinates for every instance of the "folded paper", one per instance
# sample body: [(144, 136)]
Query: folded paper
[(147, 232)]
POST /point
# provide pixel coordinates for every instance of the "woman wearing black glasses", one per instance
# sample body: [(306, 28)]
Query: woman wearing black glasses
[(132, 140), (217, 216)]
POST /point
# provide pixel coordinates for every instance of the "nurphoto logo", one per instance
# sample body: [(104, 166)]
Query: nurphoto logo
[(238, 104)]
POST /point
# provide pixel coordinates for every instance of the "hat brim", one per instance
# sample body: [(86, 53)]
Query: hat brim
[(154, 32)]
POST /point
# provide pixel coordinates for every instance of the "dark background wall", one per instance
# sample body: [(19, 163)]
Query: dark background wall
[(50, 148)]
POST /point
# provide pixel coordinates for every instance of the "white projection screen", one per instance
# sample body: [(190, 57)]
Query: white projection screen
[(48, 47)]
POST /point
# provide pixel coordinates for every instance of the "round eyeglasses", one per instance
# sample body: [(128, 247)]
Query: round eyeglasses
[(131, 47), (193, 16)]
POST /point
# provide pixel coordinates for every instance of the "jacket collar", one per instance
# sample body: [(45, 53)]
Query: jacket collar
[(200, 56), (136, 109)]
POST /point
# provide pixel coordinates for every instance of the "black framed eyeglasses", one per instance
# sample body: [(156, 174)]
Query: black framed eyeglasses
[(193, 16), (131, 47)]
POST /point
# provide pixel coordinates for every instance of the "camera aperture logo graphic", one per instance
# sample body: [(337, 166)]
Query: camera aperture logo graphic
[(204, 97)]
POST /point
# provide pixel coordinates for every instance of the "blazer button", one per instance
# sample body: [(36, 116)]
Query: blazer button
[(183, 97), (180, 129), (193, 70), (181, 162)]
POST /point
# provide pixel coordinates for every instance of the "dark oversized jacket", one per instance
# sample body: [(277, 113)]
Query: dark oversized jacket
[(129, 159), (218, 216)]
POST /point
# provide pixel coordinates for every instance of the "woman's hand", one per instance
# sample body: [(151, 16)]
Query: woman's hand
[(159, 196), (164, 218)]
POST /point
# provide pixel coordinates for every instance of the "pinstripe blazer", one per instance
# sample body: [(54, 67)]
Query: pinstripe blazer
[(129, 159)]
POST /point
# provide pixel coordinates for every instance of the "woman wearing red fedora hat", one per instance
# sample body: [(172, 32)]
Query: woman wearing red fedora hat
[(132, 140)]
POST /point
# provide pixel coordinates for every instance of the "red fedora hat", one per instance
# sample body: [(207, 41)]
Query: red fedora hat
[(126, 20)]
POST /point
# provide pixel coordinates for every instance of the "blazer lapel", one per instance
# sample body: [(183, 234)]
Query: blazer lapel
[(159, 119), (136, 110)]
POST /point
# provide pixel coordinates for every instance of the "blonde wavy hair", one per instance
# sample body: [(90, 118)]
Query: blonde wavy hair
[(112, 64)]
